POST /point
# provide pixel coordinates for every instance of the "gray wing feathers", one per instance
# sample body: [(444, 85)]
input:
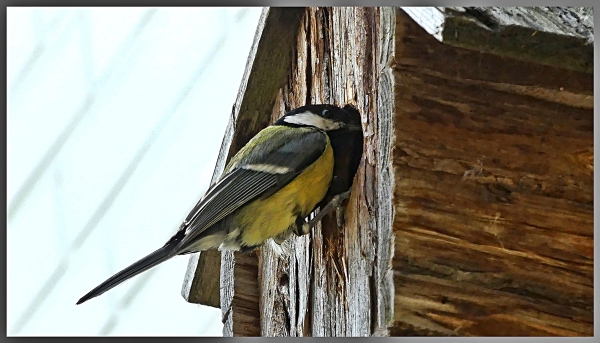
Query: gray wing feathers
[(243, 186), (240, 186)]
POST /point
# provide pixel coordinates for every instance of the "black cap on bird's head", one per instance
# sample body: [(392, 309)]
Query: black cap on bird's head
[(325, 117)]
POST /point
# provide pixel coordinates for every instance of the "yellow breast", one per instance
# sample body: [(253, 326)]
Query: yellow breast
[(266, 218)]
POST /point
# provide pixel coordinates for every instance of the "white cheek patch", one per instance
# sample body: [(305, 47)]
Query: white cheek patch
[(311, 119)]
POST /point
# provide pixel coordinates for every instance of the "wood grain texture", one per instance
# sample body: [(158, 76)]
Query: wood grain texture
[(493, 161), (338, 281), (383, 305), (556, 36)]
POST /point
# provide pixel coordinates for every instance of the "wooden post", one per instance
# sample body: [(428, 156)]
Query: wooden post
[(338, 281)]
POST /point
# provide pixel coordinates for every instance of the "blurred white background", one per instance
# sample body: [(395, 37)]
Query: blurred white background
[(115, 120)]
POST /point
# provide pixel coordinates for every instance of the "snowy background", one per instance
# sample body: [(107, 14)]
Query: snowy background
[(115, 120)]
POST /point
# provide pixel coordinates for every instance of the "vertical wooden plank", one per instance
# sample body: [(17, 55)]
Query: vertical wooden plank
[(335, 280), (384, 283)]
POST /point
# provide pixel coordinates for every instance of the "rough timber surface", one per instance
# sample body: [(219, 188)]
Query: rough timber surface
[(493, 161), (338, 281), (557, 36), (266, 71)]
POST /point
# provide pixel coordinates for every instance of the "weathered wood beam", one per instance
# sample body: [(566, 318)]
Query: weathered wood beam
[(266, 71), (338, 280), (494, 193), (557, 36)]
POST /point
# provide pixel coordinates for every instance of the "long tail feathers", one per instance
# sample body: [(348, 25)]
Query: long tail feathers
[(138, 267)]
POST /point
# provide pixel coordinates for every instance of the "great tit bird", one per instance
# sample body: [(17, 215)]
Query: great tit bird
[(267, 189)]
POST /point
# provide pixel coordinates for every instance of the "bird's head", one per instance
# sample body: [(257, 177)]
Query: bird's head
[(324, 117)]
